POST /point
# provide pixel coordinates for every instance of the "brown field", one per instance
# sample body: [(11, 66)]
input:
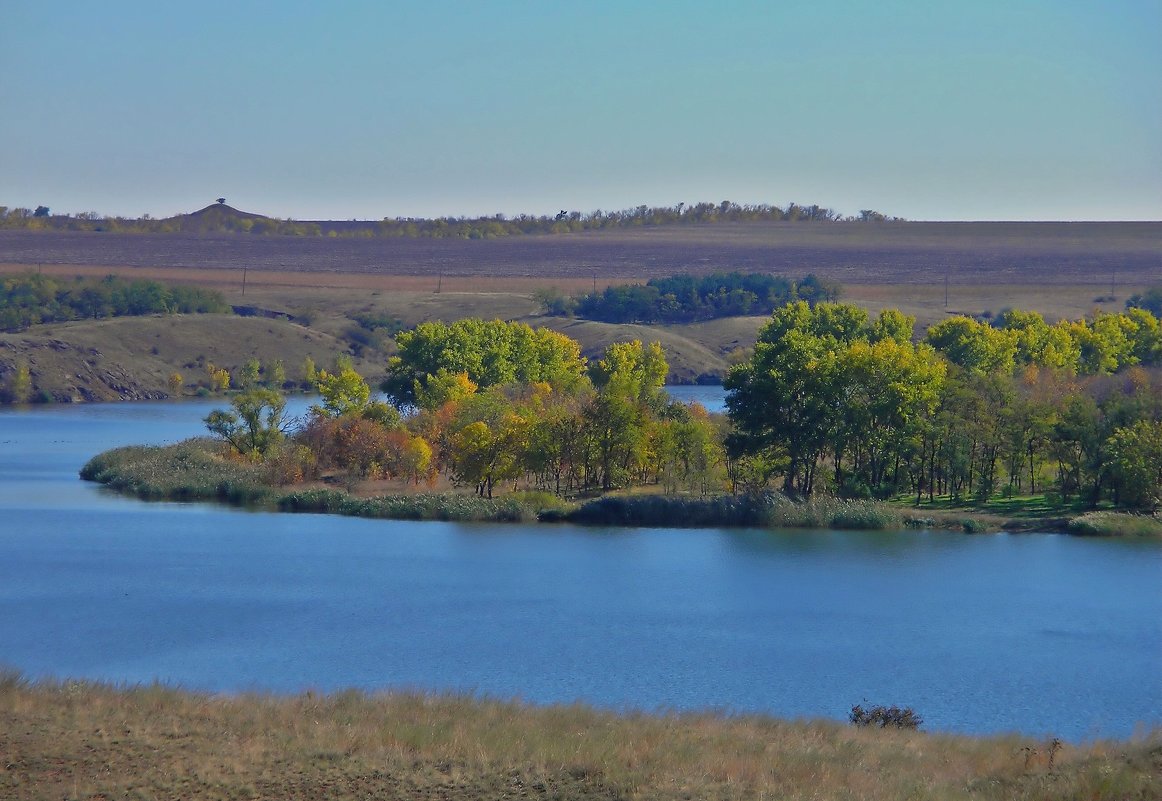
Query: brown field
[(75, 740), (1063, 270), (901, 253)]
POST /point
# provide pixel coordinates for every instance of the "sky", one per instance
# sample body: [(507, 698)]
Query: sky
[(364, 109)]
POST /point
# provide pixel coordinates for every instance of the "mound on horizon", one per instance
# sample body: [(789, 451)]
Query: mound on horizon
[(217, 217)]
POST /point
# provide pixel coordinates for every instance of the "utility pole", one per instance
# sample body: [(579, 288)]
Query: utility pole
[(946, 290), (244, 282), (439, 282)]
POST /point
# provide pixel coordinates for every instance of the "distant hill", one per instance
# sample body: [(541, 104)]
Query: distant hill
[(218, 217)]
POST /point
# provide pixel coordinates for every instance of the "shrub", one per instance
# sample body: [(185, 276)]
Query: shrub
[(885, 717)]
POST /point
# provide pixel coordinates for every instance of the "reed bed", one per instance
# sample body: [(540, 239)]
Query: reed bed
[(1116, 524), (768, 510), (449, 506), (193, 470)]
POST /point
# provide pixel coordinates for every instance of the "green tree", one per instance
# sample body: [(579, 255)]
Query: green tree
[(1038, 343), (822, 380), (441, 388), (489, 353), (1134, 458), (778, 400), (343, 392), (248, 374), (629, 378), (274, 374), (309, 372), (256, 423), (977, 347)]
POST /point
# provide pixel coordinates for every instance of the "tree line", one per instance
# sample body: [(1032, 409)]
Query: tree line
[(834, 401), (31, 299), (484, 227), (831, 401), (688, 298)]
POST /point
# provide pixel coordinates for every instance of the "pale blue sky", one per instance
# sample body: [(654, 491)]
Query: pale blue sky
[(983, 109)]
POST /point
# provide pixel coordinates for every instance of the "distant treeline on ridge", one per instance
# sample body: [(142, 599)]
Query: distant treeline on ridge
[(27, 300), (687, 298), (220, 218)]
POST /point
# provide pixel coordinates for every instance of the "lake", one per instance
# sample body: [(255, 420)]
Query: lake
[(1042, 634)]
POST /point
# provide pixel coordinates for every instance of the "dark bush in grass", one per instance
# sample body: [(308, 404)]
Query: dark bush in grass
[(885, 717)]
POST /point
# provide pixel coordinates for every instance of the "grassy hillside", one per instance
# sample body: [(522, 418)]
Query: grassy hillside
[(77, 740), (131, 358)]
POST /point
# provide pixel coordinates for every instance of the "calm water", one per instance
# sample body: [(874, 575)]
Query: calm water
[(1041, 634)]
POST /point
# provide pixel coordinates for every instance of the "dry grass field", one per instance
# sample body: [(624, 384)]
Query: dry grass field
[(72, 740)]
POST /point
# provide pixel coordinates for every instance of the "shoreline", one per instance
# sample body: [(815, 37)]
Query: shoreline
[(190, 472)]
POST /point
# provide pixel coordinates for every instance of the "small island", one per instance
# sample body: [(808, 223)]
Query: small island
[(837, 420)]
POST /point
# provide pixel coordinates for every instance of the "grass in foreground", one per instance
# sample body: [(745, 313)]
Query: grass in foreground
[(77, 740)]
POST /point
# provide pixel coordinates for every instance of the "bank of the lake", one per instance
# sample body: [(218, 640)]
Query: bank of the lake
[(204, 470), (85, 740)]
